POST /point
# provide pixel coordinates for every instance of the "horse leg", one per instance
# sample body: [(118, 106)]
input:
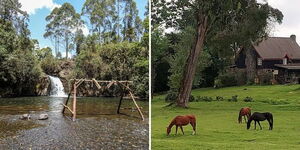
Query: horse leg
[(181, 130), (176, 129), (259, 125), (270, 124), (245, 119), (194, 127), (254, 124)]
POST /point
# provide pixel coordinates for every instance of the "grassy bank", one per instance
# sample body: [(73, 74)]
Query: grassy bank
[(217, 126)]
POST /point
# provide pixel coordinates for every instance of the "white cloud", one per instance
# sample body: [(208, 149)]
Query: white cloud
[(291, 20), (31, 6)]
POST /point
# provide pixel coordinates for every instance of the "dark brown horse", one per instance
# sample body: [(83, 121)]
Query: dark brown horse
[(182, 121), (257, 117), (246, 112)]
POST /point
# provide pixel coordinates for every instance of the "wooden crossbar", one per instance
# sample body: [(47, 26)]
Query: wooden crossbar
[(97, 84), (68, 108), (102, 81)]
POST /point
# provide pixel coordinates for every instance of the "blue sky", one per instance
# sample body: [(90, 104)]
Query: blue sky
[(39, 9)]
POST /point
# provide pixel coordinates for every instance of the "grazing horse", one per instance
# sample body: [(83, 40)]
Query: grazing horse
[(182, 121), (246, 112), (261, 117)]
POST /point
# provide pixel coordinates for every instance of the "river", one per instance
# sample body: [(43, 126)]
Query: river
[(97, 126)]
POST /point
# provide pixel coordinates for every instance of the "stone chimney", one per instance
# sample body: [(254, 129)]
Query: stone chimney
[(293, 37)]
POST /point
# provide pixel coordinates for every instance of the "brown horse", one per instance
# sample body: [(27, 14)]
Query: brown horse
[(182, 121), (246, 112)]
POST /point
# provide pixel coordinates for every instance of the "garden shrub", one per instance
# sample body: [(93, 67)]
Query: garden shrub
[(225, 80), (248, 99), (204, 98), (265, 78), (192, 98), (219, 98), (233, 98), (171, 97)]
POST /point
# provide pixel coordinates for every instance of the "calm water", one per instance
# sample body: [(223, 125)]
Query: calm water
[(98, 126)]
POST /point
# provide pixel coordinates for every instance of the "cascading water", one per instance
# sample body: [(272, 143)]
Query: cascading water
[(57, 88)]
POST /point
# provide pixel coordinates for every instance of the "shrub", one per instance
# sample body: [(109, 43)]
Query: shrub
[(204, 98), (233, 98), (121, 61), (192, 98), (219, 98), (171, 96), (225, 80), (265, 78), (50, 65), (248, 99), (19, 74)]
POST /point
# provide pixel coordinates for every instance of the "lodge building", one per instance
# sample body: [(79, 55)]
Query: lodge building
[(279, 55)]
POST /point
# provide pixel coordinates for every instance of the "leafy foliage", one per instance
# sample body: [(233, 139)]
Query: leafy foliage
[(177, 61), (121, 61), (63, 22)]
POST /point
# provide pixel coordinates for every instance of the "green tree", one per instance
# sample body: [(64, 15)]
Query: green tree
[(208, 19), (63, 23), (102, 16), (131, 22)]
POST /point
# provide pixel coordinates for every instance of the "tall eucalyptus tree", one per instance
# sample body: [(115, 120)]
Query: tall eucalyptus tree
[(62, 24)]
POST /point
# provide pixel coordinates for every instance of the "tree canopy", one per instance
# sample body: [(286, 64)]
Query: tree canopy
[(214, 23)]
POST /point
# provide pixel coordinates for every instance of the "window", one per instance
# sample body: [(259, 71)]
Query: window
[(284, 61), (259, 61)]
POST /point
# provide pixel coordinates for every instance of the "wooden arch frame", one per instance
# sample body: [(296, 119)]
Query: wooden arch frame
[(122, 84)]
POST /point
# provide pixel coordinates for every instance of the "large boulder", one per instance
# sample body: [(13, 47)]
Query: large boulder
[(43, 116)]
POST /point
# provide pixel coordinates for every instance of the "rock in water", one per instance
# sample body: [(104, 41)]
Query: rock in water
[(43, 116), (25, 116)]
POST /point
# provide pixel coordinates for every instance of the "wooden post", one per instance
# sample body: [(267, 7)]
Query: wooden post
[(140, 112), (63, 111), (74, 102), (120, 102)]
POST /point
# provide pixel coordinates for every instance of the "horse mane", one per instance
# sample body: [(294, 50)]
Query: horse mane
[(172, 123), (193, 117)]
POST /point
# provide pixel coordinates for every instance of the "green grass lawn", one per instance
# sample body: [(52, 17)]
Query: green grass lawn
[(217, 126)]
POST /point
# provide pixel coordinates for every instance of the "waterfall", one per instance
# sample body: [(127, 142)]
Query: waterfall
[(57, 88)]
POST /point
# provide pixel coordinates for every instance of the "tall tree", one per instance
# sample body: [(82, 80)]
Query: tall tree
[(102, 16), (209, 19), (131, 21), (63, 23)]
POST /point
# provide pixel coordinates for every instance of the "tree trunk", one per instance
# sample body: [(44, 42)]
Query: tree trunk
[(67, 46), (250, 64), (191, 64)]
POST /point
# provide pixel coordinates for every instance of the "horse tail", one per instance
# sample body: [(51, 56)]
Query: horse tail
[(240, 116), (271, 119)]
